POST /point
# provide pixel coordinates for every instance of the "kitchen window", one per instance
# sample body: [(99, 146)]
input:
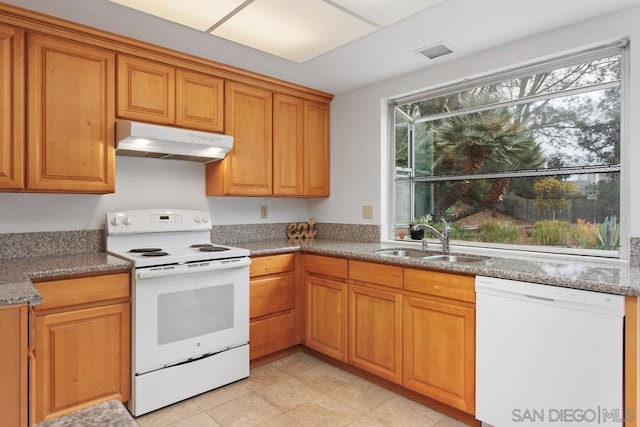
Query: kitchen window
[(529, 159)]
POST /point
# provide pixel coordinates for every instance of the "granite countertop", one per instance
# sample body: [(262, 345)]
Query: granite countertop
[(17, 274), (106, 414), (591, 275)]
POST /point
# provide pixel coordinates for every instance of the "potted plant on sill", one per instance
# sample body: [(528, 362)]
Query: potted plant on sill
[(419, 234)]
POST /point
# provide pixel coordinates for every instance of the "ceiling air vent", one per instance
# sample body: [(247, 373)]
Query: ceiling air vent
[(434, 51)]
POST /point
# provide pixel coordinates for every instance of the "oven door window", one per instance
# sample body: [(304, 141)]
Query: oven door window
[(187, 316), (194, 312)]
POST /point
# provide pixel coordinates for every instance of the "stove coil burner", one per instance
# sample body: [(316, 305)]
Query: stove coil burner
[(156, 253), (144, 250), (208, 247), (213, 249)]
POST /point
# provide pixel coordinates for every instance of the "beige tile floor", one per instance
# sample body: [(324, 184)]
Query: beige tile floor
[(298, 390)]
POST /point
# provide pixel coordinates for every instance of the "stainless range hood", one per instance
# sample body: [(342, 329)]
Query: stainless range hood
[(166, 142)]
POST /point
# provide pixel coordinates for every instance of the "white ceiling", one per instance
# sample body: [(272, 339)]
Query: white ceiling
[(465, 26)]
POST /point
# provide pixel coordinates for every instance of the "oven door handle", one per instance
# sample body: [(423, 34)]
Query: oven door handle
[(196, 267)]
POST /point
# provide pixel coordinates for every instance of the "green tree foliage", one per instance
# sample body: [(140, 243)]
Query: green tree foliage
[(552, 195)]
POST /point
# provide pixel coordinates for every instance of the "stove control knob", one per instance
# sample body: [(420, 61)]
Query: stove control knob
[(196, 219), (115, 221), (205, 219), (126, 221)]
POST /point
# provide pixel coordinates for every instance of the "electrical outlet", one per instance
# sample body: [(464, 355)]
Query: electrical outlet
[(367, 212), (264, 212)]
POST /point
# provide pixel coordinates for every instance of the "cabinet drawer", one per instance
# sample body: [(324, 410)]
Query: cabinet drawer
[(82, 290), (380, 274), (270, 295), (440, 284), (328, 266), (262, 266), (272, 334)]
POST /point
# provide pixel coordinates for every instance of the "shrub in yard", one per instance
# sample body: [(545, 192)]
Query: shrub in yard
[(585, 234), (498, 232), (552, 232), (459, 232)]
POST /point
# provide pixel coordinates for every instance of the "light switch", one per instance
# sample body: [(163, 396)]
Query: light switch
[(264, 212), (367, 212)]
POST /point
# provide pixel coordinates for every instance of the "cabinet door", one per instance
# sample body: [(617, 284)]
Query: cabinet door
[(271, 294), (439, 350), (270, 334), (288, 145), (199, 101), (247, 169), (83, 358), (70, 117), (375, 331), (13, 365), (326, 326), (11, 108), (316, 149), (146, 90)]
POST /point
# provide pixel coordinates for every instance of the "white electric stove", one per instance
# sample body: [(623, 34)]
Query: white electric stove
[(190, 305)]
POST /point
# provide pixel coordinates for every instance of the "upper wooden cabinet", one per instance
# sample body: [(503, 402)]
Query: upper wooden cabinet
[(153, 92), (316, 149), (300, 147), (199, 101), (146, 90), (246, 171), (63, 88), (11, 108), (288, 145), (71, 116)]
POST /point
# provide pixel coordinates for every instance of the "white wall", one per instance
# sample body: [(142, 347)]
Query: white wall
[(358, 132), (140, 183)]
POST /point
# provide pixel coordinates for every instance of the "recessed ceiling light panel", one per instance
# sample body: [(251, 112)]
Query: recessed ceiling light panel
[(198, 14), (294, 29), (385, 12)]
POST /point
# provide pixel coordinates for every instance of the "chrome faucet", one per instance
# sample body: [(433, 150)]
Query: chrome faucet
[(444, 237)]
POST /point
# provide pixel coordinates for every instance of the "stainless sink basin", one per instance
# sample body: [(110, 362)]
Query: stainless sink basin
[(402, 253), (454, 258), (429, 256)]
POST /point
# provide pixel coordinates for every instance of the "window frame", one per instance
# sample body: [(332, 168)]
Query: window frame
[(617, 47)]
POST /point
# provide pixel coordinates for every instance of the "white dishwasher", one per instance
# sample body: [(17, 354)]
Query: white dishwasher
[(547, 355)]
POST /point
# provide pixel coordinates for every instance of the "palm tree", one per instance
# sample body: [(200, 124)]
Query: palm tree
[(487, 141)]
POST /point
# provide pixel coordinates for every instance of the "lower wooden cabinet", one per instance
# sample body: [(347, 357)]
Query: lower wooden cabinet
[(375, 331), (81, 344), (439, 350), (326, 326), (272, 305), (13, 365), (327, 296), (412, 327), (272, 334)]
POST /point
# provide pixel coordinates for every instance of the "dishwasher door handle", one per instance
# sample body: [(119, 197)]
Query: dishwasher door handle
[(540, 298)]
